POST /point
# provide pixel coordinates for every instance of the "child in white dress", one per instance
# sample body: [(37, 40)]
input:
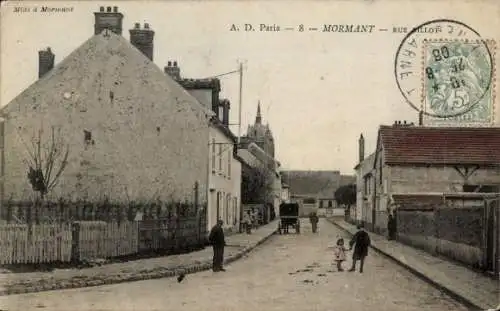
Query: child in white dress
[(339, 253)]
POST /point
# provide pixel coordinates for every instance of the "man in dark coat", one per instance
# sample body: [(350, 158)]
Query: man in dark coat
[(361, 239), (391, 226), (313, 218), (216, 238)]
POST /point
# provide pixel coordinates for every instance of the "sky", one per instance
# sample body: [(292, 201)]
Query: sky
[(318, 90)]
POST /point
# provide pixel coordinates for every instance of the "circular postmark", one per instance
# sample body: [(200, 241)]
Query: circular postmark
[(443, 68)]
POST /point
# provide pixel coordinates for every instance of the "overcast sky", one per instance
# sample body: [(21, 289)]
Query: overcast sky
[(318, 90)]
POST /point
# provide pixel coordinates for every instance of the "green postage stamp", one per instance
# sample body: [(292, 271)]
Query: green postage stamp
[(459, 81)]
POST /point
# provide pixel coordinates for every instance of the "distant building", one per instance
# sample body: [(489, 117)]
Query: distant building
[(315, 190), (133, 133), (285, 193), (417, 160)]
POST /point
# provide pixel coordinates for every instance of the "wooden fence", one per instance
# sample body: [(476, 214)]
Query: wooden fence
[(32, 233), (35, 244), (98, 239)]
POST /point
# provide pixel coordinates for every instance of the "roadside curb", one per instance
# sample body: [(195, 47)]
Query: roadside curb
[(156, 273), (459, 297)]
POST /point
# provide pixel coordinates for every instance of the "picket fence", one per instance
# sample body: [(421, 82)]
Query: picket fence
[(98, 239), (88, 240), (36, 244)]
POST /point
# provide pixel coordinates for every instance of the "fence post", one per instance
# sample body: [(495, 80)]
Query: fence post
[(197, 208), (435, 211), (75, 242)]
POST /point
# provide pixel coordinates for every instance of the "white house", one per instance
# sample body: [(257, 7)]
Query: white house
[(224, 178)]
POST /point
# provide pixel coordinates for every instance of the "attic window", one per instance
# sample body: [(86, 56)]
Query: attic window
[(87, 137), (158, 129), (111, 95)]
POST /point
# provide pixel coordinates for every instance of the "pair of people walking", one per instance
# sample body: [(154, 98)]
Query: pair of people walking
[(361, 241)]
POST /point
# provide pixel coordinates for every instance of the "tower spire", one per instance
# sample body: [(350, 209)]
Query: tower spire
[(258, 118)]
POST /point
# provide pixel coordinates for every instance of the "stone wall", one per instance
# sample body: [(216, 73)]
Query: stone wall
[(456, 233)]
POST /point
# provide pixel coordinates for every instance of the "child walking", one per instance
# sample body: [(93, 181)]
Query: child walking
[(339, 253)]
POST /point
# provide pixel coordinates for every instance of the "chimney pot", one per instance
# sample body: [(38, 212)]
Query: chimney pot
[(169, 63), (175, 63), (146, 25), (106, 19), (137, 25)]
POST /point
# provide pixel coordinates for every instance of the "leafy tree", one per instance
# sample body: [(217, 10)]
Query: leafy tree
[(256, 185), (346, 195), (47, 162)]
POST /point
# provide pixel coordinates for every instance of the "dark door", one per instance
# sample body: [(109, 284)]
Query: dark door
[(491, 218)]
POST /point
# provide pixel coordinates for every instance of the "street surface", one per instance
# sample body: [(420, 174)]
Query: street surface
[(289, 272)]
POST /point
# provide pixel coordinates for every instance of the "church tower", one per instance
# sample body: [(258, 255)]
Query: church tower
[(261, 134)]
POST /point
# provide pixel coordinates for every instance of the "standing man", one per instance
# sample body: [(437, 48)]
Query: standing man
[(314, 221), (216, 238), (247, 221), (391, 226), (362, 241)]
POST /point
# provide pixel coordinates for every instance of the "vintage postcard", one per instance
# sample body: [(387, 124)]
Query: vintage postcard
[(250, 155)]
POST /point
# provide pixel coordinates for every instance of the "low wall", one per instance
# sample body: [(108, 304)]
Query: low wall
[(380, 225), (453, 232)]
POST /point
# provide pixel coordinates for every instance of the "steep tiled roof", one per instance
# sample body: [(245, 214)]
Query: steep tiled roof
[(433, 145), (312, 183)]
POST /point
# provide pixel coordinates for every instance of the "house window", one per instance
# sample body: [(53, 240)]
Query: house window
[(330, 203), (235, 211), (228, 204), (380, 172), (220, 157), (229, 158), (213, 155), (321, 204), (218, 205)]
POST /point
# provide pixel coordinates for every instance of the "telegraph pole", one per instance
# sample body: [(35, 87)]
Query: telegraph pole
[(240, 103)]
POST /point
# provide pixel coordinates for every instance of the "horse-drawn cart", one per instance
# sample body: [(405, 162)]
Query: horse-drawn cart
[(289, 217)]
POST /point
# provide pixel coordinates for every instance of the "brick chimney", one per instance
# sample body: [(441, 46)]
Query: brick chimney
[(142, 39), (108, 18), (361, 143), (173, 70), (225, 105), (45, 61)]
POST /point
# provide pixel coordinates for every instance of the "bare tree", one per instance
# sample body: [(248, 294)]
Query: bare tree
[(47, 162)]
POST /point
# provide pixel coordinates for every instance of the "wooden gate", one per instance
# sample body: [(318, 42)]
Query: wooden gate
[(492, 236)]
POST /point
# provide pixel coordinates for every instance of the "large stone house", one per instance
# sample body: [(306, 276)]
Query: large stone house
[(416, 160), (132, 132)]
